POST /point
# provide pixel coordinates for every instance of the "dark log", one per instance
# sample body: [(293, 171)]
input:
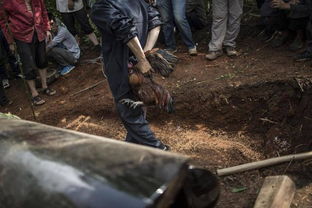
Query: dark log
[(43, 166)]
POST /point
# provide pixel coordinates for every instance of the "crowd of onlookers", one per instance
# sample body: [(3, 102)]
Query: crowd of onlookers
[(30, 37)]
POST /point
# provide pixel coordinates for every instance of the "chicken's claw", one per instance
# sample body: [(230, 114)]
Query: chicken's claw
[(131, 103)]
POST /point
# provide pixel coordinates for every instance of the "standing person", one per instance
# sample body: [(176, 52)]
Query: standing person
[(63, 48), (10, 58), (26, 22), (3, 99), (225, 27), (127, 26), (173, 14), (72, 11)]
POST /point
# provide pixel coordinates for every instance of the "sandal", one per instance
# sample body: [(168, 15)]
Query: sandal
[(49, 91), (37, 100)]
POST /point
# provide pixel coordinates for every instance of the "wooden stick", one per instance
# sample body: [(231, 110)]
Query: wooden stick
[(88, 88), (263, 163)]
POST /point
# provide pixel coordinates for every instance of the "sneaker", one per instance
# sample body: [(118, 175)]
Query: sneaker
[(305, 56), (66, 69), (212, 55), (171, 50), (279, 39), (192, 51), (231, 51), (5, 83)]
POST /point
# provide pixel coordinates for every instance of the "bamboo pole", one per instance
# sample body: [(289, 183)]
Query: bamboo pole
[(263, 163)]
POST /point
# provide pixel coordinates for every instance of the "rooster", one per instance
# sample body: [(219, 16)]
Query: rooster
[(148, 92)]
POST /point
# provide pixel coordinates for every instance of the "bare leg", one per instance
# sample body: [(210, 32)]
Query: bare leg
[(43, 77), (32, 87), (93, 39)]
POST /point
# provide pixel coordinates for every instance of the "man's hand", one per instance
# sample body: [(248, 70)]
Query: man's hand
[(280, 4), (49, 36), (12, 47), (144, 66)]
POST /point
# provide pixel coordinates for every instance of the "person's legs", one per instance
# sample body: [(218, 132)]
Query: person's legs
[(83, 20), (27, 55), (61, 56), (219, 24), (138, 131), (10, 56), (165, 9), (3, 99), (182, 23), (69, 21), (233, 26)]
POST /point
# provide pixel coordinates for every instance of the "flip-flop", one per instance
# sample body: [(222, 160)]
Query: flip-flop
[(49, 91)]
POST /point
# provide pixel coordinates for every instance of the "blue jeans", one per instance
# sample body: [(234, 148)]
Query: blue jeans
[(173, 13)]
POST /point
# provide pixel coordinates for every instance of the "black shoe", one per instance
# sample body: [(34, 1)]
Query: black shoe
[(5, 102), (305, 56), (296, 44), (164, 147), (279, 40)]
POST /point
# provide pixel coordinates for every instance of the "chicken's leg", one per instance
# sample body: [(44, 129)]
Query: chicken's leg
[(131, 103)]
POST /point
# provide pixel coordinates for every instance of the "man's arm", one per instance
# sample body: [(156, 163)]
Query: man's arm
[(59, 38), (152, 38), (46, 22), (154, 23), (105, 16), (143, 65)]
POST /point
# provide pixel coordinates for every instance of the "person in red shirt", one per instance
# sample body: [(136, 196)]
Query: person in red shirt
[(26, 22)]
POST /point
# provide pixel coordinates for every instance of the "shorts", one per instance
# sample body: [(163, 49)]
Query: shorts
[(33, 56), (81, 17)]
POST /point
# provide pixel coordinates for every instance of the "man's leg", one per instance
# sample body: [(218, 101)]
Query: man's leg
[(27, 54), (42, 64), (219, 24), (61, 56), (218, 28), (165, 9), (138, 131), (3, 99), (82, 18), (182, 23), (234, 20), (69, 21)]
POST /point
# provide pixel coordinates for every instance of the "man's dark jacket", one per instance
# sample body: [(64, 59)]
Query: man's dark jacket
[(119, 21)]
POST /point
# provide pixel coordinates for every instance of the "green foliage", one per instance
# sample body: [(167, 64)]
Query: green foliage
[(8, 116), (51, 7)]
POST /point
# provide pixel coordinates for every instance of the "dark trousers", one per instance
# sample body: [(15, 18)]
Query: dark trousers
[(3, 98), (138, 131), (81, 17), (7, 57), (33, 56), (61, 56), (309, 36)]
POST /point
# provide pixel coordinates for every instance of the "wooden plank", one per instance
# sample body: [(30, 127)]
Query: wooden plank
[(276, 192)]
